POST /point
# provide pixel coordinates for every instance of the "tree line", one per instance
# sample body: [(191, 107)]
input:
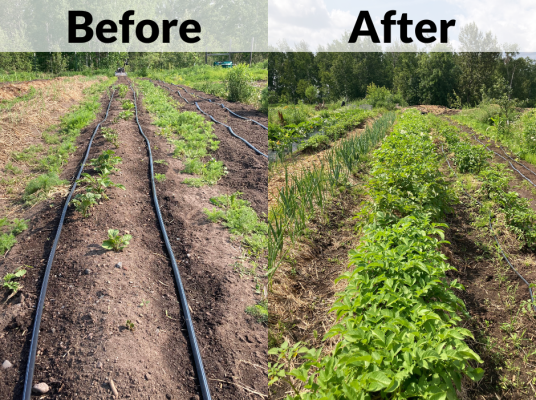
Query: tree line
[(57, 62), (449, 78)]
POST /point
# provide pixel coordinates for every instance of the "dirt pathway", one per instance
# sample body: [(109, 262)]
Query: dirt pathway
[(493, 293), (84, 340)]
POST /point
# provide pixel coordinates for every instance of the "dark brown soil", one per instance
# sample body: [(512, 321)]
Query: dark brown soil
[(248, 172), (84, 340)]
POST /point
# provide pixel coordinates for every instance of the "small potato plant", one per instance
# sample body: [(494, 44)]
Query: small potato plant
[(10, 283), (123, 89), (105, 163), (127, 104), (125, 115), (115, 241), (130, 325), (84, 201), (111, 136), (98, 184)]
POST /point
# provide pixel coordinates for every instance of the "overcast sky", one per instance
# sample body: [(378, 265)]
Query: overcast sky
[(319, 22)]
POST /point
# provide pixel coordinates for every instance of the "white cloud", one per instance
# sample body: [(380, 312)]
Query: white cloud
[(306, 20), (510, 22), (313, 22)]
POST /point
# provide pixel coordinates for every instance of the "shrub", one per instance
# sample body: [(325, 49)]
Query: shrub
[(382, 97), (529, 130), (311, 93), (239, 83)]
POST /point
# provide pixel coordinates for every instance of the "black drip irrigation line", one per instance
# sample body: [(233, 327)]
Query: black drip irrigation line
[(517, 162), (247, 119), (182, 295), (221, 104), (514, 168), (494, 235), (232, 133), (178, 91), (212, 118), (28, 379)]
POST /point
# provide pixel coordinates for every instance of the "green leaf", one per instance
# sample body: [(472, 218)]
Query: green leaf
[(108, 244), (379, 381), (475, 373)]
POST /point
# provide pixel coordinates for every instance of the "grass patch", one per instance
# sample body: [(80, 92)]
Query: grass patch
[(518, 139), (7, 104), (234, 84)]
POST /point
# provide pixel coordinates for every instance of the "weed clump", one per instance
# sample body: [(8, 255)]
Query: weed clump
[(242, 221), (259, 312), (44, 183)]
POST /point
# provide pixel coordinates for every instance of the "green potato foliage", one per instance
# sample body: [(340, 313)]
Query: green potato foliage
[(115, 241), (98, 184), (84, 201)]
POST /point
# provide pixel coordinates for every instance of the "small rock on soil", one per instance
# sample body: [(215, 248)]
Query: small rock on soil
[(40, 388)]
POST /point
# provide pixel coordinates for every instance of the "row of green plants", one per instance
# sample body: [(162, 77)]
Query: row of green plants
[(517, 130), (191, 135), (57, 156), (96, 185), (233, 84), (398, 321), (305, 194), (493, 188), (62, 144), (331, 125)]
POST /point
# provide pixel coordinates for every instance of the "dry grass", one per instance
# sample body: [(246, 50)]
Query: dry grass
[(9, 91), (23, 124)]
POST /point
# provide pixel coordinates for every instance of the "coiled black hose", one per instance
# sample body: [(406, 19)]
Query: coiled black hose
[(184, 303), (28, 379), (494, 235), (231, 131)]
